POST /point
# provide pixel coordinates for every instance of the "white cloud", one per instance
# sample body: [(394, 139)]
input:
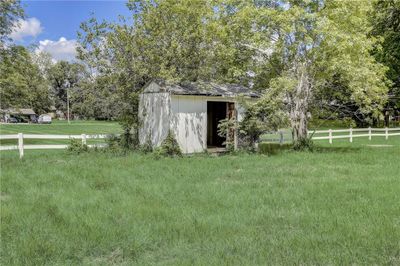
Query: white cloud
[(62, 49), (25, 28)]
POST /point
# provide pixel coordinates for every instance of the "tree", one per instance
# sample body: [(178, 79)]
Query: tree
[(386, 24), (313, 42), (173, 40), (95, 99), (10, 12), (294, 49), (21, 82), (64, 78)]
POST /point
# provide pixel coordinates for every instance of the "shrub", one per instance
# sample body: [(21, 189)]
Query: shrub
[(113, 144), (272, 148), (147, 147), (169, 147), (76, 147), (226, 129), (128, 140), (304, 144)]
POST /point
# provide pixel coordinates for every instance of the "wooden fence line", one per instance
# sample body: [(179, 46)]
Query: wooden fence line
[(84, 137), (350, 136), (21, 147)]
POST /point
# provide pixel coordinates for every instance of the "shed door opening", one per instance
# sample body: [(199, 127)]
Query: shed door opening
[(216, 111)]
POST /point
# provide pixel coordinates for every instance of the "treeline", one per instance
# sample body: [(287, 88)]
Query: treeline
[(328, 58), (34, 80)]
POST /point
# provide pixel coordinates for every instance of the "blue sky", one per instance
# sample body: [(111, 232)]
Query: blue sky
[(52, 25)]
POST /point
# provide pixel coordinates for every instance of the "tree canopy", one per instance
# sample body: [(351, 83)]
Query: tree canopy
[(21, 82), (310, 55), (303, 56), (385, 19), (10, 12)]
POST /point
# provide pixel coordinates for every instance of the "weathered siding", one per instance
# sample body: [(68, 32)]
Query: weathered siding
[(154, 111), (189, 122), (185, 115)]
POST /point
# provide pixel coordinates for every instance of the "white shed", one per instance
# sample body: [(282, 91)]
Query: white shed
[(191, 111)]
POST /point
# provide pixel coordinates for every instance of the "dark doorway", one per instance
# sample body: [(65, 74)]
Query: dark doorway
[(216, 111)]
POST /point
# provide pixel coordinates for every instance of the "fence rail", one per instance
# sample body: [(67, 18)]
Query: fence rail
[(369, 133), (284, 136), (21, 147)]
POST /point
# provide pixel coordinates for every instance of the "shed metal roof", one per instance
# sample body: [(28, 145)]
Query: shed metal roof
[(20, 111), (26, 111), (203, 88)]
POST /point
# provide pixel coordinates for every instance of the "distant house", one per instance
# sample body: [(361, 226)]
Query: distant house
[(24, 114), (27, 113), (52, 111), (192, 111)]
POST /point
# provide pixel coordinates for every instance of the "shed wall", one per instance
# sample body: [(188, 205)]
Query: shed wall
[(186, 116), (154, 111), (189, 122)]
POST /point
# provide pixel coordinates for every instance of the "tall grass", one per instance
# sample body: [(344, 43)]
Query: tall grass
[(339, 205)]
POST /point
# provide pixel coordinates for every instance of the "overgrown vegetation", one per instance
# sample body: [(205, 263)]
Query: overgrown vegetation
[(169, 147), (304, 144), (77, 147)]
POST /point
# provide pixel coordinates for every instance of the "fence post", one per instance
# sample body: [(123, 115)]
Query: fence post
[(386, 133), (330, 136), (21, 145), (351, 134), (280, 137), (369, 133), (83, 139)]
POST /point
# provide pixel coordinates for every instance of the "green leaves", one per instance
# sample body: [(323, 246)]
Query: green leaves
[(21, 81), (10, 12)]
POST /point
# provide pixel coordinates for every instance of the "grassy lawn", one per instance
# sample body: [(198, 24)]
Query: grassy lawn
[(59, 127), (339, 205)]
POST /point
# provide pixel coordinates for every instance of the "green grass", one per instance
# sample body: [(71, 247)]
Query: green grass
[(60, 128), (337, 206)]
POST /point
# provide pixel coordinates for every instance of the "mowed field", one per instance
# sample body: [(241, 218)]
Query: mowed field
[(339, 205)]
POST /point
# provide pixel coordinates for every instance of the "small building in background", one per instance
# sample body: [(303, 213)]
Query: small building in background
[(18, 114), (191, 111), (52, 112), (27, 114)]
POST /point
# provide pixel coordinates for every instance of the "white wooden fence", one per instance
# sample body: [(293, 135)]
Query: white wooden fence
[(21, 147), (352, 133), (355, 133)]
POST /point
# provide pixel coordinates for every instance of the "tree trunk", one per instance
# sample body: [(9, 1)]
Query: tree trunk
[(299, 103)]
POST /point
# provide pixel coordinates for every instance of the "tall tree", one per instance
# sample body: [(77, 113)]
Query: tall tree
[(173, 40), (295, 48), (10, 12), (21, 82), (64, 78), (315, 41), (386, 24)]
